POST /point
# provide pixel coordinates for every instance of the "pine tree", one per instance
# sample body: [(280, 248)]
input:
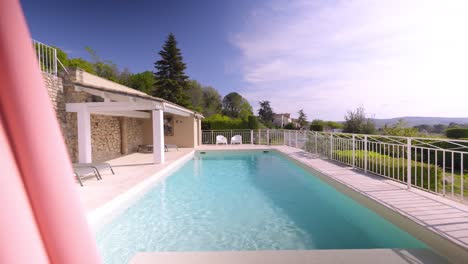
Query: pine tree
[(265, 112), (171, 81), (302, 119)]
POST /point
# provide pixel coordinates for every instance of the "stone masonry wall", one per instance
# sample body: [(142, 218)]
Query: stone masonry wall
[(105, 130), (134, 134)]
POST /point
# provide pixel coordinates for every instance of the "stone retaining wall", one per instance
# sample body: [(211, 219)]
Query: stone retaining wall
[(106, 135)]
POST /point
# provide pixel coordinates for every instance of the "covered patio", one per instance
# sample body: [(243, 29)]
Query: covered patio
[(162, 122)]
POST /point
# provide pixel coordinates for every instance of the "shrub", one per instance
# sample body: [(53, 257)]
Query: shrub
[(289, 126), (219, 122), (316, 127), (457, 133), (253, 122), (392, 167)]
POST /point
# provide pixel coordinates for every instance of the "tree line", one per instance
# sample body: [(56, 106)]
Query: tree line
[(170, 82), (167, 81)]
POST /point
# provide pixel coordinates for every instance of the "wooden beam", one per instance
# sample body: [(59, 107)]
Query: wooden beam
[(112, 106), (133, 114)]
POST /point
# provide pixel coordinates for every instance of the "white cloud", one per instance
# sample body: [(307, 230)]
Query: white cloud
[(395, 58)]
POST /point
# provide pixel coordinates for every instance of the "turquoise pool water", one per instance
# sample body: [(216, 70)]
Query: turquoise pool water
[(245, 201)]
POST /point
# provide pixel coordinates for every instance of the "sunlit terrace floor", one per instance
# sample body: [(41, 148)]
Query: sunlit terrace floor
[(129, 171)]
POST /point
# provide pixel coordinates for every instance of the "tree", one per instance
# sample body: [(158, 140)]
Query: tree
[(143, 81), (358, 122), (289, 126), (253, 122), (195, 94), (236, 106), (265, 112), (105, 69), (334, 125), (211, 102), (317, 125), (439, 129), (400, 129), (302, 119), (171, 81)]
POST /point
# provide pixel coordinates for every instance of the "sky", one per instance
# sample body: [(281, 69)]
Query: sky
[(392, 57)]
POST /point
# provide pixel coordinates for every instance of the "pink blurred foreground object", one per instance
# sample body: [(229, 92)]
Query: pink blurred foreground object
[(30, 125), (20, 241)]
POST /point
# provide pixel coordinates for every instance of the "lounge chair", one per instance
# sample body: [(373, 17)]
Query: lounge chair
[(98, 167), (147, 148), (237, 139), (84, 171), (168, 146), (221, 139)]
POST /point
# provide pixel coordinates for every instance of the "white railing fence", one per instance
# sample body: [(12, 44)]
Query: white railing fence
[(46, 57), (433, 164)]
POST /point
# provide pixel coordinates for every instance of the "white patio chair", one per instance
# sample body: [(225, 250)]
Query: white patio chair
[(221, 139), (237, 139)]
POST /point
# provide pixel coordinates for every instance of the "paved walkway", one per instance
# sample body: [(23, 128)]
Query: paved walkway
[(361, 256), (443, 216)]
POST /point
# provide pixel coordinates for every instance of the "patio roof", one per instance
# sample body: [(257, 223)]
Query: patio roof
[(112, 91), (119, 100)]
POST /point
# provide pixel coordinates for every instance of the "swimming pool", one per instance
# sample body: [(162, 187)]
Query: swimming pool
[(245, 201)]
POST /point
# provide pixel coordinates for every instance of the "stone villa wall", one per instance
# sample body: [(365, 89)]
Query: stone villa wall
[(106, 136)]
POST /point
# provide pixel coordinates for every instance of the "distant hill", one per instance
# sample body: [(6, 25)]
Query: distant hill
[(420, 120)]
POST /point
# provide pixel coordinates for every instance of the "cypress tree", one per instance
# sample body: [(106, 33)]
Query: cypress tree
[(171, 81)]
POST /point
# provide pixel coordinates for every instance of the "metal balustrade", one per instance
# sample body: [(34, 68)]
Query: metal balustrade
[(46, 57), (436, 165)]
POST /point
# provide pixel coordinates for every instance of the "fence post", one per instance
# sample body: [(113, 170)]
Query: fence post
[(365, 154), (295, 144), (212, 138), (284, 137), (251, 137), (408, 156), (354, 149), (331, 146), (316, 135), (268, 136), (55, 62)]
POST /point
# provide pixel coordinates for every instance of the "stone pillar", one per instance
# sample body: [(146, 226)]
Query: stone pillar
[(124, 135)]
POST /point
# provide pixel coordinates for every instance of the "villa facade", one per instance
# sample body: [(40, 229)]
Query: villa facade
[(102, 120)]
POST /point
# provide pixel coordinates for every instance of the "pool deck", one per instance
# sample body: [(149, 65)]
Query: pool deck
[(441, 215), (447, 218), (358, 256), (130, 170)]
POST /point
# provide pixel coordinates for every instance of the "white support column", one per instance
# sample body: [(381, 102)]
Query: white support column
[(84, 136), (158, 136)]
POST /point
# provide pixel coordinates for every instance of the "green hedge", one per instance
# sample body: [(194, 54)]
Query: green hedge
[(316, 127), (417, 168), (457, 133), (221, 122)]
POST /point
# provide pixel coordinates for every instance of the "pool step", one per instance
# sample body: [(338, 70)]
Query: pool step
[(361, 256)]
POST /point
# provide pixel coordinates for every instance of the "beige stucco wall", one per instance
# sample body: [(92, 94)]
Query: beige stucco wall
[(186, 133)]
